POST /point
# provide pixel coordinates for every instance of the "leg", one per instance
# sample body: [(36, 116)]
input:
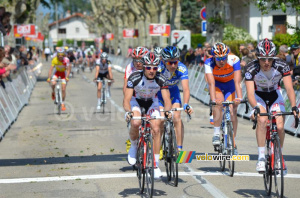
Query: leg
[(99, 87), (178, 125), (63, 89), (217, 112)]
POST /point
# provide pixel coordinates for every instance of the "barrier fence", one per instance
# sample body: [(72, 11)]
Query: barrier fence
[(16, 94), (199, 90)]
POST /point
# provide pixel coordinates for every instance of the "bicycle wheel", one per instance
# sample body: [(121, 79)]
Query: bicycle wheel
[(149, 169), (174, 155), (220, 151), (58, 102), (278, 168), (103, 100), (268, 174), (230, 147), (166, 148), (140, 169)]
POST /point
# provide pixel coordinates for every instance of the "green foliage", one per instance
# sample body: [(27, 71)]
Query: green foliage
[(197, 39), (60, 43), (70, 43), (233, 33), (235, 44), (190, 15), (285, 39)]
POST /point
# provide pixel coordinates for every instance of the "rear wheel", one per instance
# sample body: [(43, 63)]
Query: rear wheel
[(268, 174), (278, 168), (149, 169), (230, 147)]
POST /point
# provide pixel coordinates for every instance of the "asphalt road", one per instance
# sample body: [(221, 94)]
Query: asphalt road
[(82, 153)]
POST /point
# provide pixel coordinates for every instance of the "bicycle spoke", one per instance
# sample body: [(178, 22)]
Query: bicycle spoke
[(230, 146), (268, 174), (140, 170), (149, 170)]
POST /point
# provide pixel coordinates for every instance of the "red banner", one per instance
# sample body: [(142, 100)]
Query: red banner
[(159, 29), (40, 36), (110, 36), (130, 33), (24, 30)]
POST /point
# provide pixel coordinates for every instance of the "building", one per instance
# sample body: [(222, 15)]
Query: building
[(71, 27), (247, 16)]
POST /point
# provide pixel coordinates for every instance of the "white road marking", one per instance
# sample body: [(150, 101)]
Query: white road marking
[(206, 185)]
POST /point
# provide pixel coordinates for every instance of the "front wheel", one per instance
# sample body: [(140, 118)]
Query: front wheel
[(58, 102), (230, 147), (149, 166), (268, 174), (140, 168), (103, 100), (278, 168)]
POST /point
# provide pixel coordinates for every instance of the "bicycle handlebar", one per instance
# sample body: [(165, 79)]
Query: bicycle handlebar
[(178, 109), (276, 114), (148, 118), (226, 103)]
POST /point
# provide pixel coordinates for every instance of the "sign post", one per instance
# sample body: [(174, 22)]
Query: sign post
[(204, 27), (181, 38)]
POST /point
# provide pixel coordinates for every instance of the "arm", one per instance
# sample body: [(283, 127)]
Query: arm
[(237, 83), (97, 72), (110, 73), (126, 101), (211, 83), (287, 80), (250, 93), (186, 91), (50, 72), (167, 99), (124, 86)]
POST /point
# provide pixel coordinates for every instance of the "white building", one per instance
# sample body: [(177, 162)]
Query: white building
[(249, 18), (71, 27)]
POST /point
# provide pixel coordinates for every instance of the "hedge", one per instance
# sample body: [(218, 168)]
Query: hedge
[(197, 39)]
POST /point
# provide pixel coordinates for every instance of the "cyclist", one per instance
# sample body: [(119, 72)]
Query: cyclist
[(103, 70), (61, 64), (142, 88), (135, 65), (262, 80), (89, 57), (158, 51), (174, 71), (223, 73), (72, 60)]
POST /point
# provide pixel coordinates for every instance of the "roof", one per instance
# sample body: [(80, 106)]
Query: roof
[(67, 18)]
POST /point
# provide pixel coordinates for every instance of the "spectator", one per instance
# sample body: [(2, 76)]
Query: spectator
[(241, 47), (23, 57), (251, 49), (30, 53), (47, 53), (129, 51), (199, 56), (207, 51), (183, 53), (246, 58), (189, 57), (112, 50), (283, 52), (119, 52), (5, 66), (295, 51)]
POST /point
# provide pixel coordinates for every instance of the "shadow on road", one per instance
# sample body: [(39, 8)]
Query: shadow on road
[(135, 191), (62, 160), (252, 193)]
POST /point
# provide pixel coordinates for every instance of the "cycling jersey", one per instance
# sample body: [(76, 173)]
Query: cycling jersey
[(181, 73), (279, 69), (130, 68), (225, 73), (103, 67), (144, 88), (60, 66)]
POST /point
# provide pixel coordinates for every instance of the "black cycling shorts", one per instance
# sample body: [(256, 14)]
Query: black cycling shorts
[(101, 76)]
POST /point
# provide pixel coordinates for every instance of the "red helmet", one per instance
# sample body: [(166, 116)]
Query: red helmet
[(139, 52), (151, 59), (266, 48)]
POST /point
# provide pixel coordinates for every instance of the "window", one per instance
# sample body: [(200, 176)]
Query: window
[(279, 19), (62, 31), (77, 30)]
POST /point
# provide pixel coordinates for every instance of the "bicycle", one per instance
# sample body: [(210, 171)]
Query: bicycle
[(274, 159), (58, 95), (170, 151), (145, 162), (227, 145), (103, 94)]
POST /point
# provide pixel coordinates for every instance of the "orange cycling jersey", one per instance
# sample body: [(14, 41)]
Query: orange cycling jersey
[(60, 66), (226, 73)]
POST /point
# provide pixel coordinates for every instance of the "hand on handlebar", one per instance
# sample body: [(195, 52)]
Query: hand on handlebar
[(48, 80), (296, 111), (168, 114), (188, 109), (237, 101), (218, 101), (128, 116)]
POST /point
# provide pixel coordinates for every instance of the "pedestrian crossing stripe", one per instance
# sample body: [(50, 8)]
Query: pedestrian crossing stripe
[(185, 157)]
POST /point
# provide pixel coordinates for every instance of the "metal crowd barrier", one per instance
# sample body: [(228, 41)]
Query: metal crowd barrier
[(16, 95), (199, 90)]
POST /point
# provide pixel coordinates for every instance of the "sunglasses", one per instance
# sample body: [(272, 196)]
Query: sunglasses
[(264, 59), (151, 67), (221, 58), (172, 62), (138, 61), (60, 54)]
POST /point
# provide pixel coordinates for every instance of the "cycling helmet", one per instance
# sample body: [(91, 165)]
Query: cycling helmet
[(151, 59), (92, 46), (60, 51), (265, 48), (104, 55), (170, 52), (139, 52), (219, 50), (158, 51)]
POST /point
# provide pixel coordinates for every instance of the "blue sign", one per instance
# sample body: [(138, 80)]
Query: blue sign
[(204, 28)]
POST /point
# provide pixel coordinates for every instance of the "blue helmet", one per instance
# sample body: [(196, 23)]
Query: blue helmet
[(170, 52)]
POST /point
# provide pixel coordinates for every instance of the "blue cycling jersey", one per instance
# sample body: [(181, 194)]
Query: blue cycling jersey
[(173, 79)]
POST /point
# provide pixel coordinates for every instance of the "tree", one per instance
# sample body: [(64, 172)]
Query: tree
[(190, 18)]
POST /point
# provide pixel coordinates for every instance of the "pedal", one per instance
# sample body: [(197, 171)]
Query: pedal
[(134, 168), (216, 147)]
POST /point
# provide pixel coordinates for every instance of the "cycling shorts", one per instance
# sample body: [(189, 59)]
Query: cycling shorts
[(151, 106), (174, 94), (276, 102), (62, 76), (227, 89), (104, 75)]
